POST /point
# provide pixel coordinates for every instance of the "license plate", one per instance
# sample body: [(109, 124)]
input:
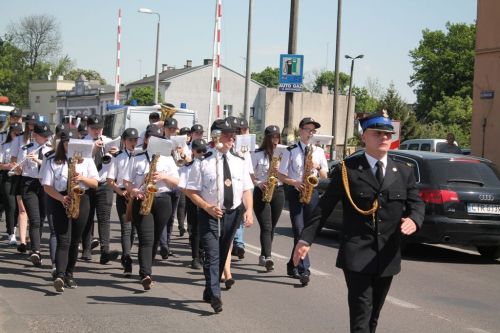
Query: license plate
[(478, 208)]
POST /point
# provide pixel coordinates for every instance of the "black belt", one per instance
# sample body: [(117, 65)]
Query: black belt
[(162, 194), (230, 211)]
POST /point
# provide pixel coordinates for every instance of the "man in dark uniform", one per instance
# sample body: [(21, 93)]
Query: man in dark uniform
[(380, 203)]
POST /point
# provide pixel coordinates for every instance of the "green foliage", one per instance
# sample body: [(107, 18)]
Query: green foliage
[(443, 65), (89, 75), (398, 109), (327, 78), (268, 77), (364, 101), (143, 95), (13, 74)]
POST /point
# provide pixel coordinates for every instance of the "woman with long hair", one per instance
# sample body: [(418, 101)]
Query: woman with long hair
[(10, 204), (268, 212), (68, 231)]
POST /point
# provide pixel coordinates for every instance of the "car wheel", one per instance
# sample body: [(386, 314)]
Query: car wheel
[(490, 252)]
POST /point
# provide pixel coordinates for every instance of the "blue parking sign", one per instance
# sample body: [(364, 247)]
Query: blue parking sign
[(291, 72)]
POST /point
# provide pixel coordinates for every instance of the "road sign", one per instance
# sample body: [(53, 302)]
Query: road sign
[(291, 72)]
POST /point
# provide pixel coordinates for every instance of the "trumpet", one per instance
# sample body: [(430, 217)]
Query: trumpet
[(12, 171)]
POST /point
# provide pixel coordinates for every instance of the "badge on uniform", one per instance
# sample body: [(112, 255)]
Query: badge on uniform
[(227, 182), (394, 169)]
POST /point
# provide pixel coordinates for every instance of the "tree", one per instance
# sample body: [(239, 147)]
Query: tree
[(144, 96), (398, 109), (364, 101), (443, 65), (13, 74), (62, 66), (268, 77), (38, 36), (90, 74), (327, 78)]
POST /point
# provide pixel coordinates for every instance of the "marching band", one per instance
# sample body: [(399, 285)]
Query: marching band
[(219, 186)]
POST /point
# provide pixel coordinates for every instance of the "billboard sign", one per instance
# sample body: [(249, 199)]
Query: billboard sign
[(291, 72)]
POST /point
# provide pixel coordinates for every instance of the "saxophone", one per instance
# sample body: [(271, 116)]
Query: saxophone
[(309, 179), (272, 179), (150, 187), (73, 188)]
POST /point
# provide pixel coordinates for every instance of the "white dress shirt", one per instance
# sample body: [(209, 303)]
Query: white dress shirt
[(56, 175), (203, 178), (139, 167), (261, 166), (118, 167), (373, 163), (103, 173), (292, 161)]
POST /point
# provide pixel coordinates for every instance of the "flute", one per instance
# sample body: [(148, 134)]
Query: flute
[(12, 172)]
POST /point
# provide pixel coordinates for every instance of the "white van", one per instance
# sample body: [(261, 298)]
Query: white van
[(423, 144)]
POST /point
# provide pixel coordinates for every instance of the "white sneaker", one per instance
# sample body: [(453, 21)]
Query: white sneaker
[(12, 240), (262, 261)]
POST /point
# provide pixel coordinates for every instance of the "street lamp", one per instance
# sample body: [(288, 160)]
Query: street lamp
[(157, 78), (349, 99)]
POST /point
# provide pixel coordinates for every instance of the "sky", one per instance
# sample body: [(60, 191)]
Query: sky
[(384, 31)]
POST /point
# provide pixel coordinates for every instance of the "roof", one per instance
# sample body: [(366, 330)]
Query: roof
[(171, 73)]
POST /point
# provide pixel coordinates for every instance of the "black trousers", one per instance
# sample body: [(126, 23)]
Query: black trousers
[(149, 228), (366, 296), (68, 234), (216, 249), (34, 201), (127, 231), (101, 200), (181, 211), (167, 230), (10, 203), (193, 228), (268, 215)]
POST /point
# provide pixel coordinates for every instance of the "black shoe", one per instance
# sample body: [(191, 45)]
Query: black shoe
[(182, 232), (164, 252), (127, 266), (195, 263), (292, 271), (36, 259), (94, 243), (108, 256), (69, 282), (229, 283), (240, 252), (216, 304), (305, 278), (21, 248), (206, 296), (146, 282)]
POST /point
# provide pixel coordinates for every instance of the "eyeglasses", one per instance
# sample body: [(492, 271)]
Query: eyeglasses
[(311, 131)]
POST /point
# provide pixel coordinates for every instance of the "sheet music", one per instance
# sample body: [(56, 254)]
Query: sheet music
[(245, 142), (113, 143), (83, 147), (179, 141), (159, 146), (319, 139)]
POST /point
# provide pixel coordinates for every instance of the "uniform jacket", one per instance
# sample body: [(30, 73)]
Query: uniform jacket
[(365, 246)]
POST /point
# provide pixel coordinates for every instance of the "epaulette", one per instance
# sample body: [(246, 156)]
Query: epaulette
[(118, 153), (141, 153), (47, 154), (259, 149), (291, 147), (189, 163), (236, 154), (207, 154)]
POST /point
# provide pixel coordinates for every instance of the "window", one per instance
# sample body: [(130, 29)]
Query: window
[(37, 99), (413, 146), (228, 110), (403, 147), (425, 147)]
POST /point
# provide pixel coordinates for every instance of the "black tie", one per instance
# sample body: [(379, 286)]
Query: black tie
[(98, 157), (228, 185), (380, 173), (40, 157)]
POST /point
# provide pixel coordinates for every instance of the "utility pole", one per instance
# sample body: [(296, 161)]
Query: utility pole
[(292, 49), (246, 110), (336, 88)]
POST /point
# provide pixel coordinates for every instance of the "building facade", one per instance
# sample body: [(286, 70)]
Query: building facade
[(43, 97), (486, 91)]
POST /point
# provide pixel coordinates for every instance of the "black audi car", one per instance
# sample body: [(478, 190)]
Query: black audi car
[(461, 195)]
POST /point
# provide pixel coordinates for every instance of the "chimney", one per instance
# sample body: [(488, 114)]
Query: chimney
[(163, 66), (207, 61), (189, 64)]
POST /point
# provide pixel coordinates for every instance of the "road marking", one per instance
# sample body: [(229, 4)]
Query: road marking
[(448, 247), (477, 330), (401, 303), (281, 257)]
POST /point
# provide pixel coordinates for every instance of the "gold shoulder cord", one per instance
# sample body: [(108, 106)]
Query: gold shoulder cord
[(345, 181)]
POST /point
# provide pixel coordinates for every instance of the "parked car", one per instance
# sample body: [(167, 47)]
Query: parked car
[(423, 144), (462, 200)]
